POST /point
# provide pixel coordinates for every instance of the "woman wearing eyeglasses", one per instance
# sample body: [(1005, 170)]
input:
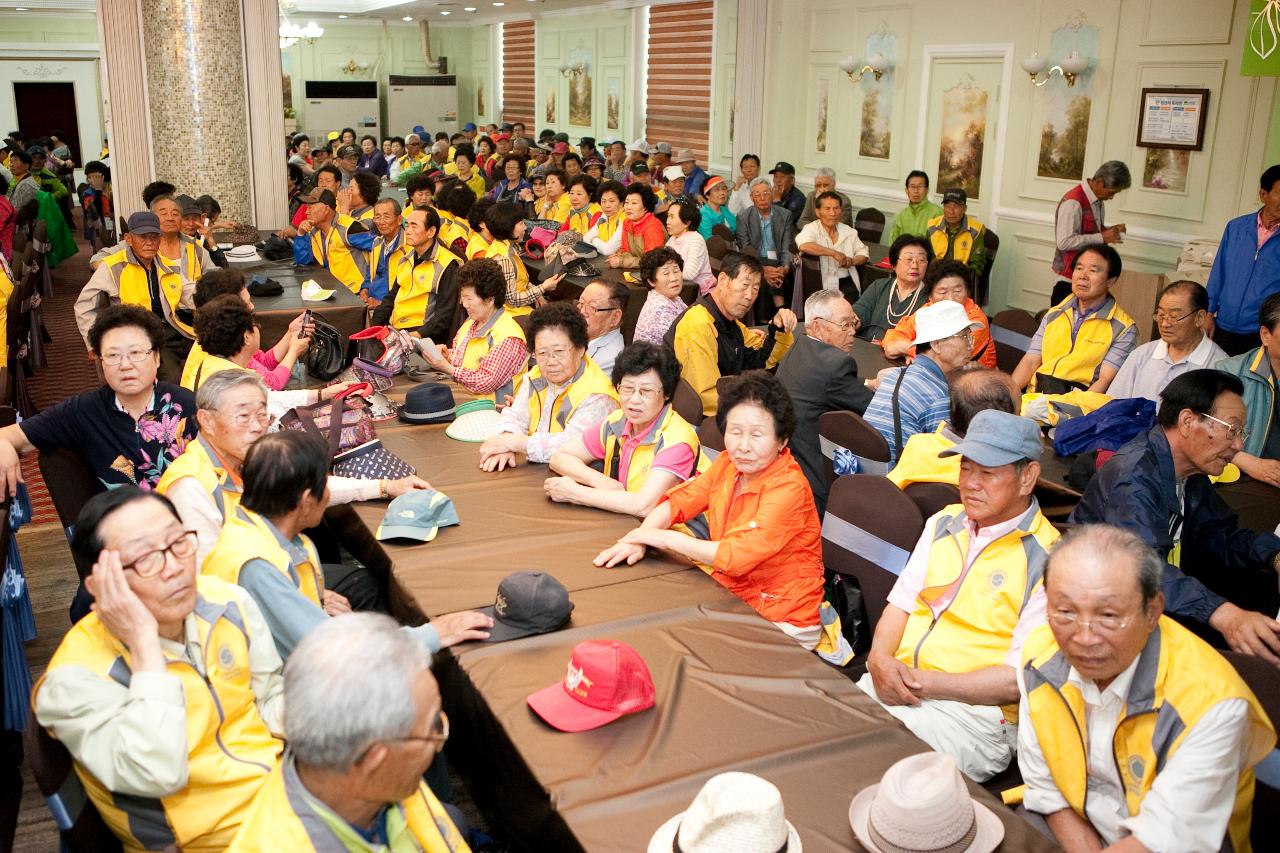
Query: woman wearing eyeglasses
[(645, 446), (885, 303), (945, 279)]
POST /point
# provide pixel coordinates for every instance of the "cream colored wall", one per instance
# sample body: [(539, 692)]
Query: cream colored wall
[(723, 79), (609, 36), (1142, 43)]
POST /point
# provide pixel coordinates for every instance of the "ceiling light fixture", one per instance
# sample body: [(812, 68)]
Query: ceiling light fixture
[(406, 18), (468, 8), (344, 17), (499, 4)]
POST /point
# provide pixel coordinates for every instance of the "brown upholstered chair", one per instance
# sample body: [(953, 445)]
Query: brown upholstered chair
[(687, 403), (1261, 678), (1012, 330), (849, 431), (709, 435), (80, 826), (991, 243), (931, 497), (870, 224)]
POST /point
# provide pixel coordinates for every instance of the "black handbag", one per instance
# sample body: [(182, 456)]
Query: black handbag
[(845, 597), (327, 355)]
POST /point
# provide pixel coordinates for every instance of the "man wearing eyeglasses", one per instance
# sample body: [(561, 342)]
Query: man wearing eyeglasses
[(601, 305), (1181, 318), (364, 720), (168, 696), (1157, 486), (1134, 732)]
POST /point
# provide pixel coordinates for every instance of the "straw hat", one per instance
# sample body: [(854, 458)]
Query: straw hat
[(922, 804), (733, 813)]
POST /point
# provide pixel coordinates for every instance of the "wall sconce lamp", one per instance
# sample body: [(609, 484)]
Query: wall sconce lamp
[(877, 65), (291, 33), (578, 63), (351, 66), (1071, 67)]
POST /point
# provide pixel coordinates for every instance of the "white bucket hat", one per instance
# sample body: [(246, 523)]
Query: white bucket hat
[(733, 813), (942, 320), (312, 292), (639, 146), (922, 804)]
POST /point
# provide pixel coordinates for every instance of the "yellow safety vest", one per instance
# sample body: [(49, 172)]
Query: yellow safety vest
[(936, 231), (404, 161), (975, 630), (589, 380), (131, 283), (919, 462), (672, 430), (475, 182), (194, 357), (273, 823), (247, 536), (1178, 679), (205, 366), (581, 221), (349, 265), (230, 750), (496, 329), (557, 210), (201, 462), (394, 261), (418, 284), (476, 246), (608, 226), (452, 228), (1079, 360), (503, 249)]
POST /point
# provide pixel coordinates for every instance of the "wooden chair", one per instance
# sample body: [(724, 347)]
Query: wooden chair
[(79, 823), (687, 403), (868, 532), (1012, 330), (931, 497), (991, 243), (810, 281), (709, 435), (848, 431), (1260, 676), (869, 224), (717, 247)]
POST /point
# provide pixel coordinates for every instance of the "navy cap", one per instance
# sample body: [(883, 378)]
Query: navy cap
[(429, 403), (955, 194), (144, 223), (528, 603)]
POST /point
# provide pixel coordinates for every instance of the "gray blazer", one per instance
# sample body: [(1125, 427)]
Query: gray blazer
[(749, 232)]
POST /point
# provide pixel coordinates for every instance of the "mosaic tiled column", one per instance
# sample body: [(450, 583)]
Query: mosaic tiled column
[(195, 77)]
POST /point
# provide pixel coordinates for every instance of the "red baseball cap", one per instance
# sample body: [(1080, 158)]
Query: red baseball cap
[(604, 680)]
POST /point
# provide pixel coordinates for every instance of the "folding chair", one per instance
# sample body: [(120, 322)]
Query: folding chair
[(869, 224), (1012, 330), (931, 497), (687, 403), (79, 823), (868, 532), (848, 431)]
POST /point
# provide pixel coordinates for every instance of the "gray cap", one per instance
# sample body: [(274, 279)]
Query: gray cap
[(998, 438)]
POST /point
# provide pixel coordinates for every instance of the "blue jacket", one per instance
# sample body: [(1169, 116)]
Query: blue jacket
[(1136, 489), (1253, 368), (694, 180), (1243, 275)]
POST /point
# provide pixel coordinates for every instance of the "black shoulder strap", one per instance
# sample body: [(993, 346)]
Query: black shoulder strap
[(897, 416)]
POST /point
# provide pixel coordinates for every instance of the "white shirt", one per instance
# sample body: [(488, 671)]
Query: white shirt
[(1149, 368), (1190, 802), (740, 199), (847, 243), (604, 350)]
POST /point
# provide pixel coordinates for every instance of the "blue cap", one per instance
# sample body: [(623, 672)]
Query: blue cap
[(469, 126), (419, 129), (998, 438), (417, 515)]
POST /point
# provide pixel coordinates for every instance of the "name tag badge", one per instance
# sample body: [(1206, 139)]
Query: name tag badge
[(771, 255)]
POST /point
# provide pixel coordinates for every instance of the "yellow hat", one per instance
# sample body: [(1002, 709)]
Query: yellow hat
[(333, 134)]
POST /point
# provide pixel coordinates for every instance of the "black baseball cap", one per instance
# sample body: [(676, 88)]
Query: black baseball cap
[(784, 167), (528, 603), (187, 205), (348, 151), (955, 194), (639, 167), (326, 197), (143, 223)]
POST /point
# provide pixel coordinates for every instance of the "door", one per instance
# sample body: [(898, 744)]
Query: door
[(46, 108), (962, 128)]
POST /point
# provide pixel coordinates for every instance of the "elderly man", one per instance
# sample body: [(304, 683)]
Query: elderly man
[(602, 305), (168, 694), (821, 377), (694, 175), (1101, 680), (424, 296), (710, 341), (1158, 486), (917, 399), (1181, 318), (264, 550), (914, 218), (347, 159), (837, 246), (1246, 269), (414, 155), (137, 275), (340, 244), (784, 189), (1078, 221), (363, 714), (824, 181), (660, 157), (957, 236), (946, 651), (766, 227), (389, 251)]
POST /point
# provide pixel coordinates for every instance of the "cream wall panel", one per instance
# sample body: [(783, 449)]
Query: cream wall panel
[(1171, 22)]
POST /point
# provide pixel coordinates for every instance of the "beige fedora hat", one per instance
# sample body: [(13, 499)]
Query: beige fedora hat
[(733, 813), (922, 804)]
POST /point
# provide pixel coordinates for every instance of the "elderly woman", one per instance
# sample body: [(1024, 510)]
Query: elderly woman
[(489, 350), (511, 186), (563, 395), (645, 447), (716, 211), (683, 219), (583, 212), (766, 543), (554, 203), (945, 279), (641, 230), (886, 302), (606, 234), (662, 270), (505, 222), (1258, 369)]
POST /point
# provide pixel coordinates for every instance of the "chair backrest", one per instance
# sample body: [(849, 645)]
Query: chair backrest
[(868, 532), (849, 431), (724, 233), (687, 403), (869, 224), (79, 824), (810, 282), (991, 243), (70, 484), (1012, 330), (19, 243), (931, 497), (709, 435), (717, 247)]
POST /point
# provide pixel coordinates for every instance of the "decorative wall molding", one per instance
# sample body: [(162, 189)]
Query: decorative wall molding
[(48, 50), (1179, 22), (749, 88)]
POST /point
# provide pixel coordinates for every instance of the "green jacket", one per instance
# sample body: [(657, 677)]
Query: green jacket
[(913, 219), (1253, 368)]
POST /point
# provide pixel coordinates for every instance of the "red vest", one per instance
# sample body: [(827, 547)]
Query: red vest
[(1064, 263)]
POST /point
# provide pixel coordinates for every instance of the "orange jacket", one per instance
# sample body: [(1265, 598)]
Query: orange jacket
[(770, 552), (984, 350)]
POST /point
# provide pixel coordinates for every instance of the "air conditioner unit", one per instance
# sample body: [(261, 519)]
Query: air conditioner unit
[(335, 104), (428, 101)]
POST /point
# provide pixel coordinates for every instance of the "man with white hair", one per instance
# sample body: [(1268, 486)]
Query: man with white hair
[(767, 227), (824, 181), (413, 153), (364, 721)]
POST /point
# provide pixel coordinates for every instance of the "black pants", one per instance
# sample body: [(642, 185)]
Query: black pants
[(1235, 343), (357, 585), (173, 355)]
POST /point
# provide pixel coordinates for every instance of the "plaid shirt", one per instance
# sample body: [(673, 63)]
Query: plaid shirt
[(496, 367)]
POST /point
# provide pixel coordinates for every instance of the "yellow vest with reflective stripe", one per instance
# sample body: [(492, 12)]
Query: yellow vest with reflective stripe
[(131, 283), (975, 630), (498, 328), (608, 226), (197, 461), (418, 284), (452, 228), (1178, 679), (589, 380), (230, 750), (246, 536), (349, 265), (580, 221), (205, 365), (395, 260), (936, 231), (503, 249), (1079, 360), (557, 210), (192, 364), (672, 430), (476, 246), (919, 462)]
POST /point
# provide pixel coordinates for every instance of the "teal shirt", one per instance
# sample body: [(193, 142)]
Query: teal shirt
[(913, 219), (710, 219)]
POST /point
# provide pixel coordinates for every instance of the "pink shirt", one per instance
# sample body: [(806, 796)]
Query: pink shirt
[(275, 376), (677, 460), (1265, 233)]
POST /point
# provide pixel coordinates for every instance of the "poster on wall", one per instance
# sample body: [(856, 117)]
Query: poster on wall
[(876, 137), (1166, 169), (1173, 118), (964, 131), (1262, 42), (549, 102), (1064, 126), (613, 103), (820, 144), (480, 110)]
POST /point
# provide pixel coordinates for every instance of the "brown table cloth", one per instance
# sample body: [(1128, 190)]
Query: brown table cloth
[(344, 310)]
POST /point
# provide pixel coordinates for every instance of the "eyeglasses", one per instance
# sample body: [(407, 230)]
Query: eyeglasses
[(913, 260), (133, 356), (648, 395), (583, 306), (844, 326), (966, 336), (244, 419), (1103, 624), (1161, 317), (150, 563), (439, 733), (1240, 432), (556, 355)]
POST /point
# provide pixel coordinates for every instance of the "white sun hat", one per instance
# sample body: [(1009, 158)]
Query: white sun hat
[(733, 813), (942, 320)]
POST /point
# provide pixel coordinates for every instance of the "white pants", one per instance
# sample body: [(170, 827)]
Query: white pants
[(977, 736)]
